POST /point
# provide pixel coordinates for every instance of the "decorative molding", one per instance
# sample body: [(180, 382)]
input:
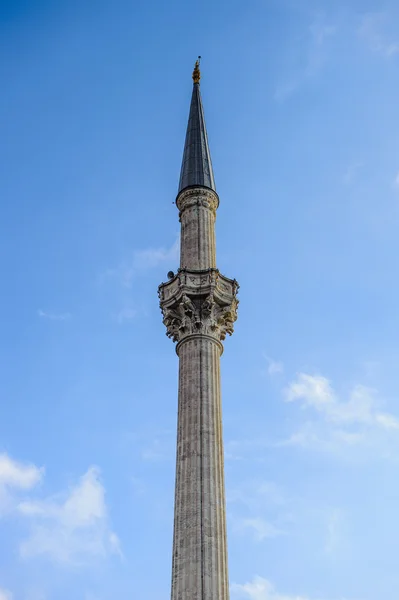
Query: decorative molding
[(199, 302), (192, 197), (200, 336)]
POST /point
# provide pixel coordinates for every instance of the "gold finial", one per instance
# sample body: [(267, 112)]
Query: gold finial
[(197, 72)]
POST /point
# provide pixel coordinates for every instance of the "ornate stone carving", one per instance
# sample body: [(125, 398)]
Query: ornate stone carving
[(199, 302), (197, 197)]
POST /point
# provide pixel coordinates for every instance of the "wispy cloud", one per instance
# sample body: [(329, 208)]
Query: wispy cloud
[(244, 448), (312, 435), (259, 528), (5, 595), (261, 589), (373, 30), (255, 495), (14, 478), (53, 316), (335, 520), (125, 315), (274, 367), (361, 407), (71, 528), (160, 448), (355, 421), (257, 509), (314, 55), (143, 260)]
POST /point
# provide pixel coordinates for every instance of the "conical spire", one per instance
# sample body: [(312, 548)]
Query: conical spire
[(196, 167)]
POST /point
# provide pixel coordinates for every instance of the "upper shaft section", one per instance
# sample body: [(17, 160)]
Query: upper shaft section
[(197, 199), (198, 300), (196, 169)]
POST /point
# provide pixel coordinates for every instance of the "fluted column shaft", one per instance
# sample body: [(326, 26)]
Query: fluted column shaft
[(199, 548), (197, 217), (199, 307)]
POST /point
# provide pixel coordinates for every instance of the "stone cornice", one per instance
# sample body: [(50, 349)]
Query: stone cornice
[(199, 303), (197, 196)]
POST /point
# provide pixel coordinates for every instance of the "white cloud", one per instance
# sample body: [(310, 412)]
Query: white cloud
[(354, 421), (396, 182), (315, 391), (387, 421), (14, 477), (71, 528), (18, 475), (261, 589), (143, 260), (53, 316), (361, 407), (373, 28), (5, 595)]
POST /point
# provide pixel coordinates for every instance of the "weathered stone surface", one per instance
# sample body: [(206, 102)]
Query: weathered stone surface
[(199, 548), (199, 302), (199, 307), (197, 213)]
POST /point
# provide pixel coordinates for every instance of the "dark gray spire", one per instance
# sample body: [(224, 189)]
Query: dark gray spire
[(196, 168)]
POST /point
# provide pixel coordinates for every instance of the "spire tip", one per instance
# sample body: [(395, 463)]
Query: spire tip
[(197, 72)]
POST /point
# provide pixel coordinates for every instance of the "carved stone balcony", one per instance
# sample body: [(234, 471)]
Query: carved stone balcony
[(198, 302)]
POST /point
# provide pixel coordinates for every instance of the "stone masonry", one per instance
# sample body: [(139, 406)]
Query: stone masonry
[(199, 307)]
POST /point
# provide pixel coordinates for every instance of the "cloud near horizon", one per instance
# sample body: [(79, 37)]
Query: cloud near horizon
[(70, 528)]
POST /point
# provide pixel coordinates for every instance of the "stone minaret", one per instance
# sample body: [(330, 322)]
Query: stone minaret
[(199, 307)]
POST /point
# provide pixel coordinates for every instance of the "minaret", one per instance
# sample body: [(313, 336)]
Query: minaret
[(199, 307)]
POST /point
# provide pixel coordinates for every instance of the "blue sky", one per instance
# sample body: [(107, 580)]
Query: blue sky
[(301, 102)]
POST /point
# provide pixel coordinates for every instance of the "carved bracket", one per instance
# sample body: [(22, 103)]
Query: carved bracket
[(203, 302)]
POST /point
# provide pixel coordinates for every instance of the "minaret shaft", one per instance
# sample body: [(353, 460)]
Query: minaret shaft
[(199, 307), (197, 237), (199, 546)]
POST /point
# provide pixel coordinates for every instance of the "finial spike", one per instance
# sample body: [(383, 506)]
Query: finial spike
[(196, 169), (197, 72)]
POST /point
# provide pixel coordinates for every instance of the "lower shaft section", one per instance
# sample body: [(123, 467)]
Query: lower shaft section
[(199, 570)]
